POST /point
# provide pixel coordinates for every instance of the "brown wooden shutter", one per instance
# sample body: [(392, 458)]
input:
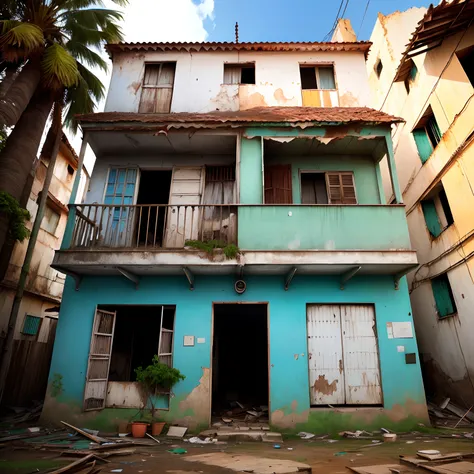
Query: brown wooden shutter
[(157, 88), (102, 337), (341, 188), (278, 188)]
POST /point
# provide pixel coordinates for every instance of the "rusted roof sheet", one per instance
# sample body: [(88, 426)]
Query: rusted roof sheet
[(446, 19), (362, 46), (294, 116)]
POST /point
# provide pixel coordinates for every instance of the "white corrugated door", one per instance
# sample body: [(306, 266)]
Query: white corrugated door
[(183, 221), (361, 358), (326, 375)]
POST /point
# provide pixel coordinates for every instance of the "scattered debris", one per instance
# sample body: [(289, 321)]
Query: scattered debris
[(390, 437), (92, 437), (340, 453), (197, 440), (177, 451), (176, 431), (356, 434), (150, 436), (448, 415), (276, 446), (305, 435)]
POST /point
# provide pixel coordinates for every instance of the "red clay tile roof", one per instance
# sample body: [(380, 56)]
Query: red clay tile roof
[(362, 46), (259, 115)]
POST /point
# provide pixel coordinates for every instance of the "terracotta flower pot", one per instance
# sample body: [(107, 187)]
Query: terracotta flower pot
[(139, 429), (157, 428)]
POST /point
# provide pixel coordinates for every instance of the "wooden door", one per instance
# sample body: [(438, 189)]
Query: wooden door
[(102, 337), (325, 355), (278, 188), (361, 355), (182, 217)]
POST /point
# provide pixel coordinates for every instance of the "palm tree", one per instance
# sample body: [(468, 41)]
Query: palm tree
[(53, 42)]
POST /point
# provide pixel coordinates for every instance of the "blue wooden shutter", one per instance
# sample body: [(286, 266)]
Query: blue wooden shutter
[(443, 296), (423, 144), (431, 217)]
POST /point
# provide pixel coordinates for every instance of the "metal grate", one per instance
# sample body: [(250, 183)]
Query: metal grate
[(220, 173), (31, 325)]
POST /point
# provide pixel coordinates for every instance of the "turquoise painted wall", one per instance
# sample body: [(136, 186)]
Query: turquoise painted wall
[(363, 167), (251, 183), (289, 386), (323, 227)]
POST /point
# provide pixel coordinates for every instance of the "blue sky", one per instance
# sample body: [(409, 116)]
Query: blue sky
[(294, 20)]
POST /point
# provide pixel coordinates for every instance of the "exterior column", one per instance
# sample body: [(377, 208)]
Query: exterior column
[(71, 218), (378, 174), (393, 169), (251, 171)]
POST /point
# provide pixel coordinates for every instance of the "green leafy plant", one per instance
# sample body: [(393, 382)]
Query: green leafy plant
[(209, 246), (156, 378), (17, 215), (57, 385)]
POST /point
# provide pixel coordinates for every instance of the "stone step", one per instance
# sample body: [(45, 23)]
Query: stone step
[(251, 435)]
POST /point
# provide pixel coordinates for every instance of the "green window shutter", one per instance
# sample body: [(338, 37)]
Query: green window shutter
[(431, 217), (413, 72), (31, 325), (434, 127), (423, 144), (443, 296)]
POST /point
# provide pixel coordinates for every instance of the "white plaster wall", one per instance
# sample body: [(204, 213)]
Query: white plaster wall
[(199, 76), (164, 162)]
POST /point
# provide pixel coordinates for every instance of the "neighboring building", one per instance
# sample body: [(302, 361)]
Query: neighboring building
[(39, 308), (427, 77), (212, 141)]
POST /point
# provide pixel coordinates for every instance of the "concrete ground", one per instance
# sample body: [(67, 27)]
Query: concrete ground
[(323, 457)]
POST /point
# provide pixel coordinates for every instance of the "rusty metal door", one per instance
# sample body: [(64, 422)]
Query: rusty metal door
[(361, 358), (325, 355)]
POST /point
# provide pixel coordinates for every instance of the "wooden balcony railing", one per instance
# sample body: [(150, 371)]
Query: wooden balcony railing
[(164, 226)]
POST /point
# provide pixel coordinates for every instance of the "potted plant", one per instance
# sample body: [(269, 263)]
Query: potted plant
[(155, 379)]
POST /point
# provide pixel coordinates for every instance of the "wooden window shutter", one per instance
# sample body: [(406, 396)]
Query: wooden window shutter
[(341, 188), (278, 186), (95, 391)]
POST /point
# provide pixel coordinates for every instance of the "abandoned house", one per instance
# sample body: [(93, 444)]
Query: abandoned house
[(428, 79), (270, 150)]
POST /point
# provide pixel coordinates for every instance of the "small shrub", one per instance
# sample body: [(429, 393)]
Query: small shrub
[(17, 215), (230, 250)]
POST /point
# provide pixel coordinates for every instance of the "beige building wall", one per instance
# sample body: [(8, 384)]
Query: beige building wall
[(44, 285), (446, 344)]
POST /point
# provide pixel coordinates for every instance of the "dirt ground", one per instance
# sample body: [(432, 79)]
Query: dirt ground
[(323, 457)]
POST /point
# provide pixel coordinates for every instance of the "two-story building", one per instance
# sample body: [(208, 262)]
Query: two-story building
[(268, 152), (421, 67)]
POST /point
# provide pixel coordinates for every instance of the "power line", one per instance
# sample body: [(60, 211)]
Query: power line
[(328, 34), (345, 8), (363, 18)]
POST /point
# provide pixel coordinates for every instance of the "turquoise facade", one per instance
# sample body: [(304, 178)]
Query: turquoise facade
[(368, 226), (403, 395)]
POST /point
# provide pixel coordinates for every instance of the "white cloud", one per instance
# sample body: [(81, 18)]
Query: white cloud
[(166, 20), (157, 21)]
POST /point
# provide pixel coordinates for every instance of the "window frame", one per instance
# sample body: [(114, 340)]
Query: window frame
[(325, 173), (55, 211), (241, 66), (316, 68), (422, 132), (435, 201), (378, 63), (157, 86), (439, 278)]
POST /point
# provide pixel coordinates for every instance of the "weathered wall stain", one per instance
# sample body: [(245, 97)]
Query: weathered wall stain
[(280, 97), (248, 101), (323, 386), (134, 87)]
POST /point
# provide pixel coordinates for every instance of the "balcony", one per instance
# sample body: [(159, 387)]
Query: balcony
[(318, 239)]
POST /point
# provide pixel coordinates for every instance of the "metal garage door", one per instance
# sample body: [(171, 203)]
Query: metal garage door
[(343, 355)]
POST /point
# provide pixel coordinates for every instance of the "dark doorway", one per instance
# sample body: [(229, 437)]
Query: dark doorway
[(154, 189), (240, 357)]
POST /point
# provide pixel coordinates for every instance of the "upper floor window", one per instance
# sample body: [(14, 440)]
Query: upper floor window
[(443, 296), (427, 135), (411, 76), (157, 88), (466, 58), (437, 211), (239, 73), (328, 188), (50, 220), (317, 77), (378, 67)]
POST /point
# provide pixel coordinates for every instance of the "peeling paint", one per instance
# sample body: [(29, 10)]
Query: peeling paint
[(134, 87), (280, 97), (323, 386)]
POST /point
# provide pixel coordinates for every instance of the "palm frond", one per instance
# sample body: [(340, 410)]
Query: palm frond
[(79, 101), (59, 68), (19, 40), (94, 84), (95, 19), (82, 53)]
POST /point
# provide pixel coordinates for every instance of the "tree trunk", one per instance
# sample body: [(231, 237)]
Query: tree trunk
[(56, 129), (8, 80), (19, 154), (13, 104)]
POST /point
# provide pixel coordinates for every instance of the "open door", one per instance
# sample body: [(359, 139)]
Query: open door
[(183, 218), (102, 337)]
